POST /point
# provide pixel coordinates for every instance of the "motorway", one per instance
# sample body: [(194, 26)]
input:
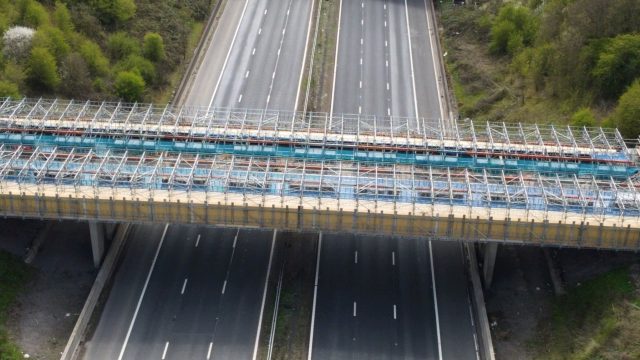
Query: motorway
[(187, 292), (256, 57), (379, 297)]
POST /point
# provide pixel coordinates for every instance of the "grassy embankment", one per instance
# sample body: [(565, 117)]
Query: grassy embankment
[(483, 85), (552, 61), (600, 319), (13, 276)]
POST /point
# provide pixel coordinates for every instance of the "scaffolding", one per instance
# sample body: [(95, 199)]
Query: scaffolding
[(317, 136), (367, 187)]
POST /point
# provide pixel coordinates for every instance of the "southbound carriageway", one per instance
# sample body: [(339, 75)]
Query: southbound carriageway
[(310, 171)]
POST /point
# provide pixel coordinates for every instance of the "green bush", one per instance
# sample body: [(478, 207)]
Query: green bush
[(95, 59), (618, 65), (120, 45), (154, 47), (9, 89), (583, 117), (626, 117), (33, 14), (114, 11), (62, 18), (42, 71), (138, 65), (514, 28), (129, 86), (52, 39)]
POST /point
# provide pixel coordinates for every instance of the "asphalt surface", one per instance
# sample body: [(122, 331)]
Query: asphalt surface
[(258, 64), (385, 68), (362, 280), (204, 291), (171, 299)]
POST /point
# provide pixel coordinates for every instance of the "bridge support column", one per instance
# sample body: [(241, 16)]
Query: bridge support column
[(97, 231), (489, 262)]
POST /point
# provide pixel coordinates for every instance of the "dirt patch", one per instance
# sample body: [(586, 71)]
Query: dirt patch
[(46, 311)]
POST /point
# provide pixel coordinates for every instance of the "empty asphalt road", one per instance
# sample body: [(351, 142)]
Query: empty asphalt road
[(381, 298)]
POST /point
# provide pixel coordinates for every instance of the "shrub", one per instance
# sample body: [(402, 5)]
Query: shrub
[(76, 78), (626, 116), (9, 89), (129, 86), (113, 11), (583, 117), (514, 28), (42, 71), (120, 45), (153, 47), (52, 39), (62, 18), (33, 14), (95, 59), (138, 65)]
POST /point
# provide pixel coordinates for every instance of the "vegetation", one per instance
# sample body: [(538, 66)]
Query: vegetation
[(596, 320), (560, 61), (13, 275), (91, 48)]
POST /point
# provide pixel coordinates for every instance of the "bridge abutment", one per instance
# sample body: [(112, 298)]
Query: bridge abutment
[(100, 232), (488, 263)]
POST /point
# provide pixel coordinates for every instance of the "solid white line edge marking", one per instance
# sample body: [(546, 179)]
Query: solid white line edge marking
[(209, 351), (164, 353), (315, 297), (335, 66), (435, 302), (224, 65), (264, 295), (144, 289)]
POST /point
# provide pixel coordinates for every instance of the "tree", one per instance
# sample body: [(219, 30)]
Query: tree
[(17, 42), (120, 45), (129, 86), (583, 118), (42, 71), (515, 27), (33, 14), (626, 117), (76, 78), (9, 89), (95, 59), (52, 39), (153, 47), (62, 18), (114, 11), (618, 65)]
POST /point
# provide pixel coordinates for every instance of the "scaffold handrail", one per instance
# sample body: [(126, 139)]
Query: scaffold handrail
[(393, 184), (147, 121)]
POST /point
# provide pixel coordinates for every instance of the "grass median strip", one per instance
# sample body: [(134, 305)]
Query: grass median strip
[(14, 274), (321, 82)]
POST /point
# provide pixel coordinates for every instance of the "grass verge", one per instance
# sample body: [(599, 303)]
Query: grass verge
[(599, 319), (13, 276)]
